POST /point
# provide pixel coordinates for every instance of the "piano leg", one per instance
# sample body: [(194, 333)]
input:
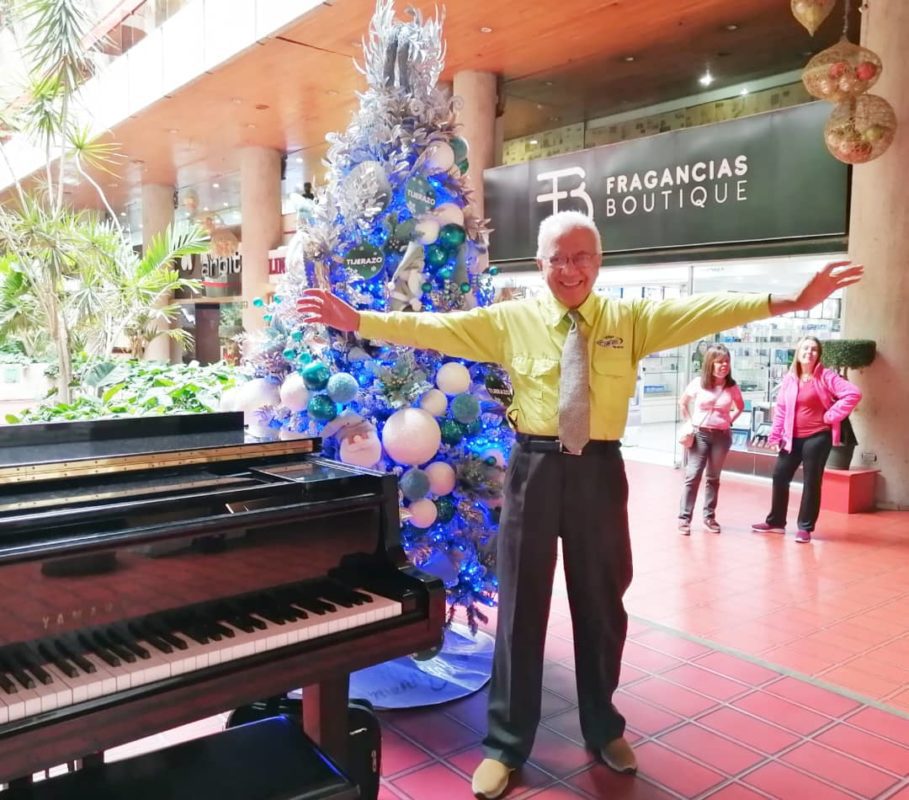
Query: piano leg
[(325, 717)]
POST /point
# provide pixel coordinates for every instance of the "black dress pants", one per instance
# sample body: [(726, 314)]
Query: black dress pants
[(812, 453), (582, 499)]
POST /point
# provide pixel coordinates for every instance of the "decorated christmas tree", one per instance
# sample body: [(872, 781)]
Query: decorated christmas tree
[(392, 230)]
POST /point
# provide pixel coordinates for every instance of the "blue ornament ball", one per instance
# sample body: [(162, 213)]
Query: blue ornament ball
[(342, 387), (315, 376), (465, 408), (322, 408), (415, 484)]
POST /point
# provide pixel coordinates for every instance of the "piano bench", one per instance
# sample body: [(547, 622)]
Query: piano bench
[(267, 760)]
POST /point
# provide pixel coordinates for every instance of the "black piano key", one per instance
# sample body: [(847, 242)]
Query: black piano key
[(335, 595), (310, 603), (128, 643), (7, 685), (95, 649), (9, 666), (249, 623), (29, 662), (187, 628), (47, 653), (82, 663), (120, 652), (146, 634), (168, 636), (226, 632)]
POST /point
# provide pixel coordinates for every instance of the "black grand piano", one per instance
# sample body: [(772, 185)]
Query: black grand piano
[(156, 571)]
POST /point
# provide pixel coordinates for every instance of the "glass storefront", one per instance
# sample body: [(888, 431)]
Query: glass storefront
[(761, 351)]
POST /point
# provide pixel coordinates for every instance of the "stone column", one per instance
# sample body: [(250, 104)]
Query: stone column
[(479, 93), (879, 238), (157, 214), (261, 225)]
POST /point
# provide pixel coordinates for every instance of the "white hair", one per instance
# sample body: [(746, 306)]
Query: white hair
[(561, 222)]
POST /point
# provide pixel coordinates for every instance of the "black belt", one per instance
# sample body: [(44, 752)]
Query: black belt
[(551, 444)]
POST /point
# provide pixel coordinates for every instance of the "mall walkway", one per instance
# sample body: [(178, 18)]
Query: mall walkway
[(755, 668)]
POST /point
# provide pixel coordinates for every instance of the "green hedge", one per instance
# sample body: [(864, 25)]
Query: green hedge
[(849, 353)]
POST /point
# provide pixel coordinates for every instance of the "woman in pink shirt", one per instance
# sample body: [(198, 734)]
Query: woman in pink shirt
[(812, 402), (711, 402)]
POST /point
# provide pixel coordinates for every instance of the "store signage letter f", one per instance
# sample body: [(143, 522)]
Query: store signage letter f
[(555, 194)]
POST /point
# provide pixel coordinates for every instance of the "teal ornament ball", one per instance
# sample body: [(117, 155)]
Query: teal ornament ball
[(415, 484), (446, 507), (474, 428), (445, 273), (322, 408), (464, 287), (436, 255), (452, 432), (493, 270), (452, 236), (297, 336), (342, 387), (459, 147), (465, 408), (288, 353), (426, 287), (258, 302), (315, 376), (464, 166)]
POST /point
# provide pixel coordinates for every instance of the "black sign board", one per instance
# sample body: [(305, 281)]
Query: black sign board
[(764, 177)]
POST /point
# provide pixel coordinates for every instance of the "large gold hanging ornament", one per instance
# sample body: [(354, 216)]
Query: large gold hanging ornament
[(842, 71), (811, 13), (860, 129)]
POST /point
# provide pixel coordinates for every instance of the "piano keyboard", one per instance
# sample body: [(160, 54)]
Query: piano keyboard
[(75, 667)]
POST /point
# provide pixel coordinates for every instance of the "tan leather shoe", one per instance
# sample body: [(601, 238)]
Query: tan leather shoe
[(619, 756), (490, 779)]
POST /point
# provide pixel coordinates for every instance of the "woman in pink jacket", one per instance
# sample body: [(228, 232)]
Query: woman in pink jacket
[(812, 402)]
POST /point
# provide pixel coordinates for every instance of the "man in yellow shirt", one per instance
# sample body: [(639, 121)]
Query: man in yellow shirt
[(572, 357)]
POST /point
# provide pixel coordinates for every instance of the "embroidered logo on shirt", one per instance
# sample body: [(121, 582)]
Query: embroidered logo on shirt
[(616, 342)]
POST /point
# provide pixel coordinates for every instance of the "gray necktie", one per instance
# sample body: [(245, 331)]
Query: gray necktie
[(574, 389)]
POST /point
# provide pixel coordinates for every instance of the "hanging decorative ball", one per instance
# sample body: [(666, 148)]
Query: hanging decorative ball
[(436, 255), (463, 166), (342, 387), (258, 302), (446, 507), (442, 477), (288, 353), (426, 230), (315, 376), (411, 436), (423, 513), (294, 394), (415, 484), (499, 387), (842, 71), (426, 288), (860, 129), (811, 13), (229, 398), (474, 428), (449, 214), (435, 402), (493, 457), (445, 273), (438, 157), (452, 236), (257, 393), (464, 288), (297, 336), (459, 147), (493, 270), (452, 433), (453, 378), (465, 408), (322, 408)]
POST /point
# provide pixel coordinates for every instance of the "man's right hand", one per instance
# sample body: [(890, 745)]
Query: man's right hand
[(320, 305)]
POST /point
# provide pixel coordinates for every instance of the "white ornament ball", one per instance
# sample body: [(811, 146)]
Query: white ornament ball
[(426, 231), (294, 394), (361, 450), (286, 434), (435, 402), (453, 378), (438, 157), (442, 477), (423, 513), (411, 436), (449, 214), (257, 393), (229, 398)]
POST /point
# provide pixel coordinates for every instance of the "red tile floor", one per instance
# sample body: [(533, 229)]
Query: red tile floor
[(755, 668)]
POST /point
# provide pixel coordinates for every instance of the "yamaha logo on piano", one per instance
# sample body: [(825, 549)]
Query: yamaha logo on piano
[(76, 615)]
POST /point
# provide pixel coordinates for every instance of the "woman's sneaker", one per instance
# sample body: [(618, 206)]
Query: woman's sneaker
[(803, 537), (712, 525), (684, 527), (763, 527)]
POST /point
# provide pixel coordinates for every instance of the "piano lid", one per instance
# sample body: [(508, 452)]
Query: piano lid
[(51, 450)]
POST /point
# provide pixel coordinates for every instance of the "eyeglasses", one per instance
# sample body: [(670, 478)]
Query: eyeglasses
[(580, 260)]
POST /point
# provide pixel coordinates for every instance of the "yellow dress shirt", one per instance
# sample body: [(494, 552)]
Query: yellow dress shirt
[(526, 337)]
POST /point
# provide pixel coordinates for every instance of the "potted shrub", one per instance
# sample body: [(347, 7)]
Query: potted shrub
[(843, 355)]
